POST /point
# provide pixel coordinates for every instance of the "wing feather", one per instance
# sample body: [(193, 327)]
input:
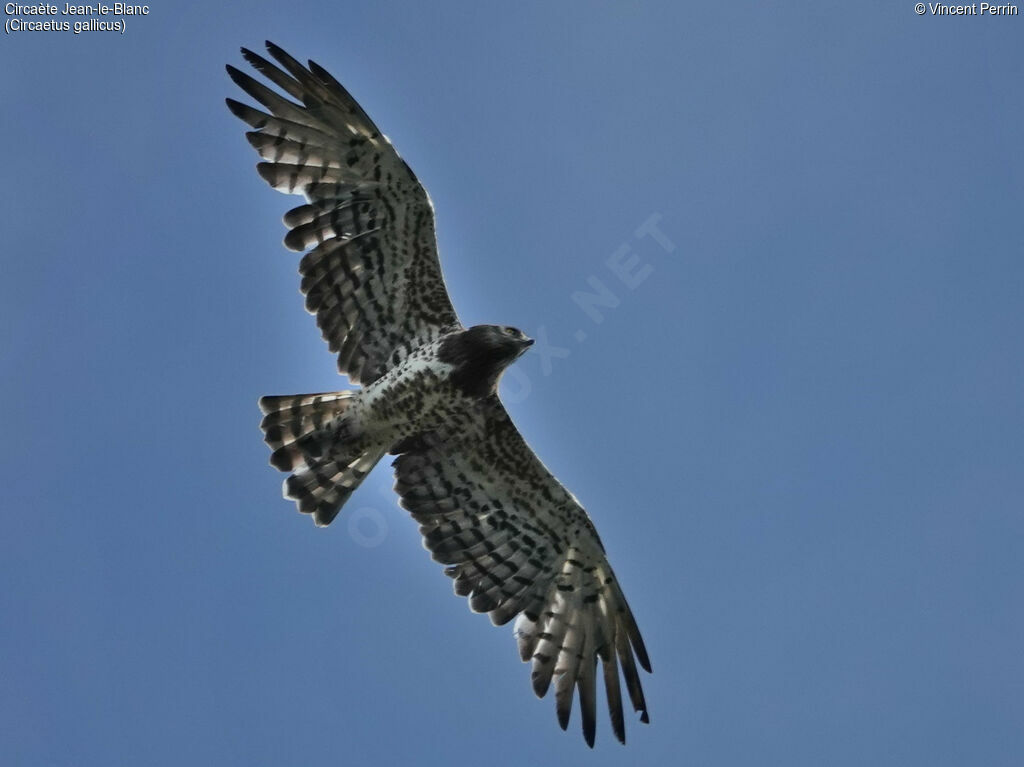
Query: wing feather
[(367, 225), (519, 545)]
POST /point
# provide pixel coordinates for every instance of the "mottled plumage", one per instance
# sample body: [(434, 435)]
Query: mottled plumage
[(515, 541)]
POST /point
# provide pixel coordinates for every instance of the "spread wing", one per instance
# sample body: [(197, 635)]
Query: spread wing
[(372, 275), (518, 543)]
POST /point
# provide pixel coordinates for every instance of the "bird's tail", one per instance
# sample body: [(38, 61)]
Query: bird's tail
[(325, 451)]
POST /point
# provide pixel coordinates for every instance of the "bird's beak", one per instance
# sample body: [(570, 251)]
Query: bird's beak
[(527, 343)]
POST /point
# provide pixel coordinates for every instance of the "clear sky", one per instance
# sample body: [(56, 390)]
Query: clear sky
[(799, 430)]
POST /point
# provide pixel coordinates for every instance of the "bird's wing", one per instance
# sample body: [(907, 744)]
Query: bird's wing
[(517, 542), (371, 274)]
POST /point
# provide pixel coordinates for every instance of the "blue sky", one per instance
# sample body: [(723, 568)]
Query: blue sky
[(801, 435)]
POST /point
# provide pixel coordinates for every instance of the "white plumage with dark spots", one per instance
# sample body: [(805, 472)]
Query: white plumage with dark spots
[(516, 543)]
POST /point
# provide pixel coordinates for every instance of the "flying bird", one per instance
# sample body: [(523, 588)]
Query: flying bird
[(515, 541)]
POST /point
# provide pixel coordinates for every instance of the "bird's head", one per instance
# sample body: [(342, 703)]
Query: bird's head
[(481, 354), (499, 341)]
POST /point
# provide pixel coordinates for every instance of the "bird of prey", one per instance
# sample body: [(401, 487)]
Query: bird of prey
[(515, 541)]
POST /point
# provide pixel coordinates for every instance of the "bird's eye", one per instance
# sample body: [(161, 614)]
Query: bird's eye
[(513, 331)]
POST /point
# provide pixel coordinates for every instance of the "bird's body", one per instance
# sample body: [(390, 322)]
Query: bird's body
[(335, 438), (516, 543)]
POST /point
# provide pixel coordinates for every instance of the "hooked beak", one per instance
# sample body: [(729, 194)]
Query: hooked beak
[(525, 344)]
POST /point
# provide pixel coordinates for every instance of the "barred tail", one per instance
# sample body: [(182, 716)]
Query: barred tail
[(311, 437)]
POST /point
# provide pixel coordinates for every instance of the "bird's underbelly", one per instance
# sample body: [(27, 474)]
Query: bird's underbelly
[(417, 396)]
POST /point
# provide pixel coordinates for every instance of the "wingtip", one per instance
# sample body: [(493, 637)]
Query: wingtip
[(540, 685), (282, 57), (644, 717), (272, 48), (251, 57), (589, 731), (237, 107), (563, 718), (238, 77)]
